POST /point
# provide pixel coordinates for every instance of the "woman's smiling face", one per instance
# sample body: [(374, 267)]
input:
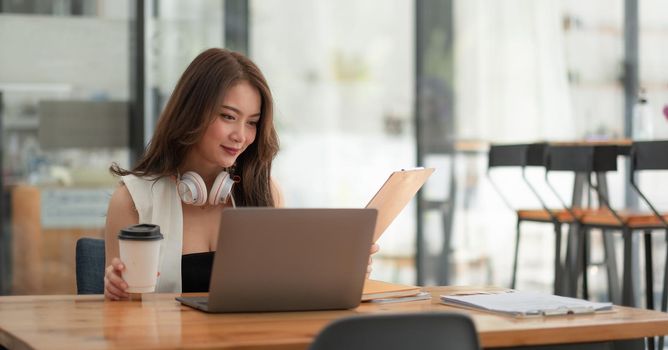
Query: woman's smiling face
[(234, 126)]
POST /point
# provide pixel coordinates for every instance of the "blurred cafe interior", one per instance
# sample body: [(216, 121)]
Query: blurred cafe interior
[(361, 88)]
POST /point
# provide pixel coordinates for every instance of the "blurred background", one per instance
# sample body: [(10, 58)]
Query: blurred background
[(362, 88)]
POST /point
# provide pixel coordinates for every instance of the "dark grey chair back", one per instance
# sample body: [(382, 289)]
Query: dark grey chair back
[(507, 155), (649, 155), (586, 159), (652, 155), (424, 331), (90, 266), (518, 155)]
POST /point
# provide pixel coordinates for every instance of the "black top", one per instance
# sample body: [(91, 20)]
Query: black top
[(196, 272)]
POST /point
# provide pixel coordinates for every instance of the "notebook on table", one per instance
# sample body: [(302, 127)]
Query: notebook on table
[(385, 292), (271, 259), (374, 289)]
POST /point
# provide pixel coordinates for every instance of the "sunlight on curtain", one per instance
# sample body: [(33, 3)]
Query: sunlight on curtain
[(511, 86), (511, 74), (343, 80)]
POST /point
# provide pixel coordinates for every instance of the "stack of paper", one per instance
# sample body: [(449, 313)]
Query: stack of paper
[(516, 303), (384, 292)]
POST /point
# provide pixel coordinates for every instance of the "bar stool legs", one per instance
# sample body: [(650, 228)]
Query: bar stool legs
[(571, 262), (649, 274), (517, 249), (629, 287), (649, 280), (582, 263), (583, 253), (558, 271), (611, 268), (664, 296), (585, 263)]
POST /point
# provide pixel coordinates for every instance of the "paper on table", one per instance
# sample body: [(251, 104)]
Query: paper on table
[(516, 303), (416, 297)]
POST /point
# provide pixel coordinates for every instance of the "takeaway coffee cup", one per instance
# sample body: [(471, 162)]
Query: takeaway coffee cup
[(140, 249)]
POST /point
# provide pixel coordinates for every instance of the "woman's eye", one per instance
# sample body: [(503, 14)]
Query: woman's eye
[(252, 123), (227, 117)]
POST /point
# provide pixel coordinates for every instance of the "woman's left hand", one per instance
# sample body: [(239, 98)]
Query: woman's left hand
[(374, 249)]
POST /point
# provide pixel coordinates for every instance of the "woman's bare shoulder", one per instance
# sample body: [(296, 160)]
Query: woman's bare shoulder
[(121, 203)]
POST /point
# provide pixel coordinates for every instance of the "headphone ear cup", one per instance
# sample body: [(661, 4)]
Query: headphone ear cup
[(221, 188), (191, 189)]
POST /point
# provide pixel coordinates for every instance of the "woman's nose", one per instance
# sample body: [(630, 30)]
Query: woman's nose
[(238, 134)]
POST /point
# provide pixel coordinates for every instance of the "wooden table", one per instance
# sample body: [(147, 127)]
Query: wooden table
[(159, 322)]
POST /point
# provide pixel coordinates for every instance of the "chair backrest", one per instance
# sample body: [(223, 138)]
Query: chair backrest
[(507, 155), (423, 331), (518, 155), (649, 155), (586, 159), (592, 158), (90, 265), (536, 154)]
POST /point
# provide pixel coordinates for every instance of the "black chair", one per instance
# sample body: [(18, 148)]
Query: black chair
[(423, 331), (651, 155), (90, 266), (523, 156), (584, 161)]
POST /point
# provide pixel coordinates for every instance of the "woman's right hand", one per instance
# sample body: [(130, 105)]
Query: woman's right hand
[(114, 285)]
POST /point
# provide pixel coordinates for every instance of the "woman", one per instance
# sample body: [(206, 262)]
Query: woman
[(217, 126)]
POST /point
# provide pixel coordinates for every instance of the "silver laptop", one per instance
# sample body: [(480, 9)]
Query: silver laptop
[(277, 259)]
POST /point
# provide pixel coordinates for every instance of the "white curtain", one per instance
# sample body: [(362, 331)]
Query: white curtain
[(510, 71)]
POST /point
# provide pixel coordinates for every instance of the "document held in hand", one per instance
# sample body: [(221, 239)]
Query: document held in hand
[(524, 304)]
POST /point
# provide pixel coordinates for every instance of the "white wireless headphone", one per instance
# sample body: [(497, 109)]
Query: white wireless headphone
[(192, 190)]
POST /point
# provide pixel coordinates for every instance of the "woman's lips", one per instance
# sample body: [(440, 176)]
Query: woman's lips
[(231, 151)]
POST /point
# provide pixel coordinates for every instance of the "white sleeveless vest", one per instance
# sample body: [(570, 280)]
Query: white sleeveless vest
[(158, 203)]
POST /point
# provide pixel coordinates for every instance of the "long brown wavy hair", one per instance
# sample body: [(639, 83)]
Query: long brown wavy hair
[(189, 112)]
